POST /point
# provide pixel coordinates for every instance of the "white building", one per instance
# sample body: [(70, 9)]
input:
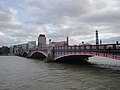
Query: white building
[(31, 44), (23, 46), (14, 49), (11, 49)]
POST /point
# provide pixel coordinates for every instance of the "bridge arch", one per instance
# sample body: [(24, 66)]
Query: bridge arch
[(72, 58), (38, 54), (24, 54)]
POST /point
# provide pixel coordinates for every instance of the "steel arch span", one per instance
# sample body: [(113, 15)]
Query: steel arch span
[(74, 56), (38, 54), (87, 54)]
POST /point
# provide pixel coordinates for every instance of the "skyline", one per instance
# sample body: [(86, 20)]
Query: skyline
[(22, 21)]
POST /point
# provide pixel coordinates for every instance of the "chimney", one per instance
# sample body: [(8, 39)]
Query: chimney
[(117, 42), (100, 42), (67, 41), (97, 40)]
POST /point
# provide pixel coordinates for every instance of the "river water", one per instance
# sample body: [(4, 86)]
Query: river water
[(17, 73)]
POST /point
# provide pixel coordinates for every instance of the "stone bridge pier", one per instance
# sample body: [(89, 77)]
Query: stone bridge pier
[(50, 54)]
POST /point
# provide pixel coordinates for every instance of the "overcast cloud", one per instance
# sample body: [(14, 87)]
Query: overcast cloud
[(23, 20)]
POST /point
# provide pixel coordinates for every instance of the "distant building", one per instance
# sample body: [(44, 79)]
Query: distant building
[(62, 43), (0, 51), (41, 40), (11, 50), (17, 49), (23, 46), (4, 50), (31, 44), (100, 42), (14, 49)]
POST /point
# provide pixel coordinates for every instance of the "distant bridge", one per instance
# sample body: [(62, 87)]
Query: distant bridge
[(56, 53)]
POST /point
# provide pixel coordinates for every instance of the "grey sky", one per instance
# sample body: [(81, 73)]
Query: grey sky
[(23, 20)]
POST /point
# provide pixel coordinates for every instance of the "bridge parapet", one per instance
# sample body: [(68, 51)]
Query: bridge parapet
[(106, 48)]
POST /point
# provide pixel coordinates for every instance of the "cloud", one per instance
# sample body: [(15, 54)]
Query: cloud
[(8, 24), (45, 11), (8, 20), (57, 19), (113, 39), (1, 35)]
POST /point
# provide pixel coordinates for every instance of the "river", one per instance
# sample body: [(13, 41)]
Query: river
[(18, 73)]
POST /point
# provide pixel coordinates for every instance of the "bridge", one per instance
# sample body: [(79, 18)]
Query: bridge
[(81, 52), (34, 53)]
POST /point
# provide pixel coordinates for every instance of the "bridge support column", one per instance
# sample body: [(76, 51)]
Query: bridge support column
[(50, 55), (49, 58)]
